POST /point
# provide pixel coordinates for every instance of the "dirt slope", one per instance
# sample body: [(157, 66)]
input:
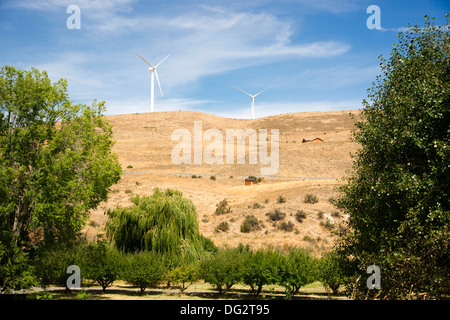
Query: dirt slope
[(144, 147)]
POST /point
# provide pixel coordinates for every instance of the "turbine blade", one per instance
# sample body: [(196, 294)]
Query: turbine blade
[(242, 90), (159, 84), (162, 60), (144, 60), (264, 90)]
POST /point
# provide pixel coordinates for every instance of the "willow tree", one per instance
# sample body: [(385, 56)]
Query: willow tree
[(164, 222)]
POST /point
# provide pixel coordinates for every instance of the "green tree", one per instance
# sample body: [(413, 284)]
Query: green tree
[(102, 263), (56, 162), (143, 269), (398, 196), (296, 268), (164, 222), (330, 272), (259, 268), (222, 269), (184, 274)]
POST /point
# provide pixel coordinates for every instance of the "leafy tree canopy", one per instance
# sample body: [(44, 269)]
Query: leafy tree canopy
[(398, 195), (56, 162)]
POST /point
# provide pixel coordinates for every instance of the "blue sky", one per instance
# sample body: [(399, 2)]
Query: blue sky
[(317, 54)]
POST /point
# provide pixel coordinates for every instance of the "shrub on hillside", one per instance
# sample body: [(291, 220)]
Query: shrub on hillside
[(276, 215), (223, 207), (310, 198), (286, 226), (300, 215), (223, 226), (250, 224)]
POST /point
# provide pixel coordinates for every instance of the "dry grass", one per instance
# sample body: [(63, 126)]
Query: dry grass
[(143, 141)]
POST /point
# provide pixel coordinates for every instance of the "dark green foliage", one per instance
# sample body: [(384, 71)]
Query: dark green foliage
[(249, 224), (143, 269), (281, 199), (101, 263), (165, 222), (222, 269), (15, 273), (330, 272), (50, 263), (296, 269), (56, 164), (398, 196), (259, 268)]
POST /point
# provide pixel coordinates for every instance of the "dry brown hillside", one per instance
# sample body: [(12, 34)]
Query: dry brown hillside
[(144, 146)]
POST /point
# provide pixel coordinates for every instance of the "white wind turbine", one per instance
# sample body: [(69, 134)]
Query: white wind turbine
[(253, 98), (154, 73)]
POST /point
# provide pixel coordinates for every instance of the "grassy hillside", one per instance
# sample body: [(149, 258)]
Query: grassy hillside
[(144, 146)]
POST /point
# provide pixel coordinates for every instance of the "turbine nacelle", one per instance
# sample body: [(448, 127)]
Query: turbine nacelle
[(152, 69), (252, 96)]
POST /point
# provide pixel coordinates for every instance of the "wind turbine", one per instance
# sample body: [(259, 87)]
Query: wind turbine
[(154, 73), (253, 98)]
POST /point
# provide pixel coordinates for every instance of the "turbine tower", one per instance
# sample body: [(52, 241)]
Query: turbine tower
[(154, 73), (253, 98)]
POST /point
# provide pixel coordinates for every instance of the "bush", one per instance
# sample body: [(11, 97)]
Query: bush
[(296, 268), (260, 268), (222, 207), (101, 263), (184, 275), (50, 263), (223, 226), (286, 226), (281, 199), (250, 224), (212, 177), (330, 272), (300, 215), (310, 198), (143, 269), (256, 205), (222, 269), (276, 215)]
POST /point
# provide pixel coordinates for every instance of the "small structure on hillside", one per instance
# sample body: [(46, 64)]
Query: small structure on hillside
[(250, 181), (315, 140)]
